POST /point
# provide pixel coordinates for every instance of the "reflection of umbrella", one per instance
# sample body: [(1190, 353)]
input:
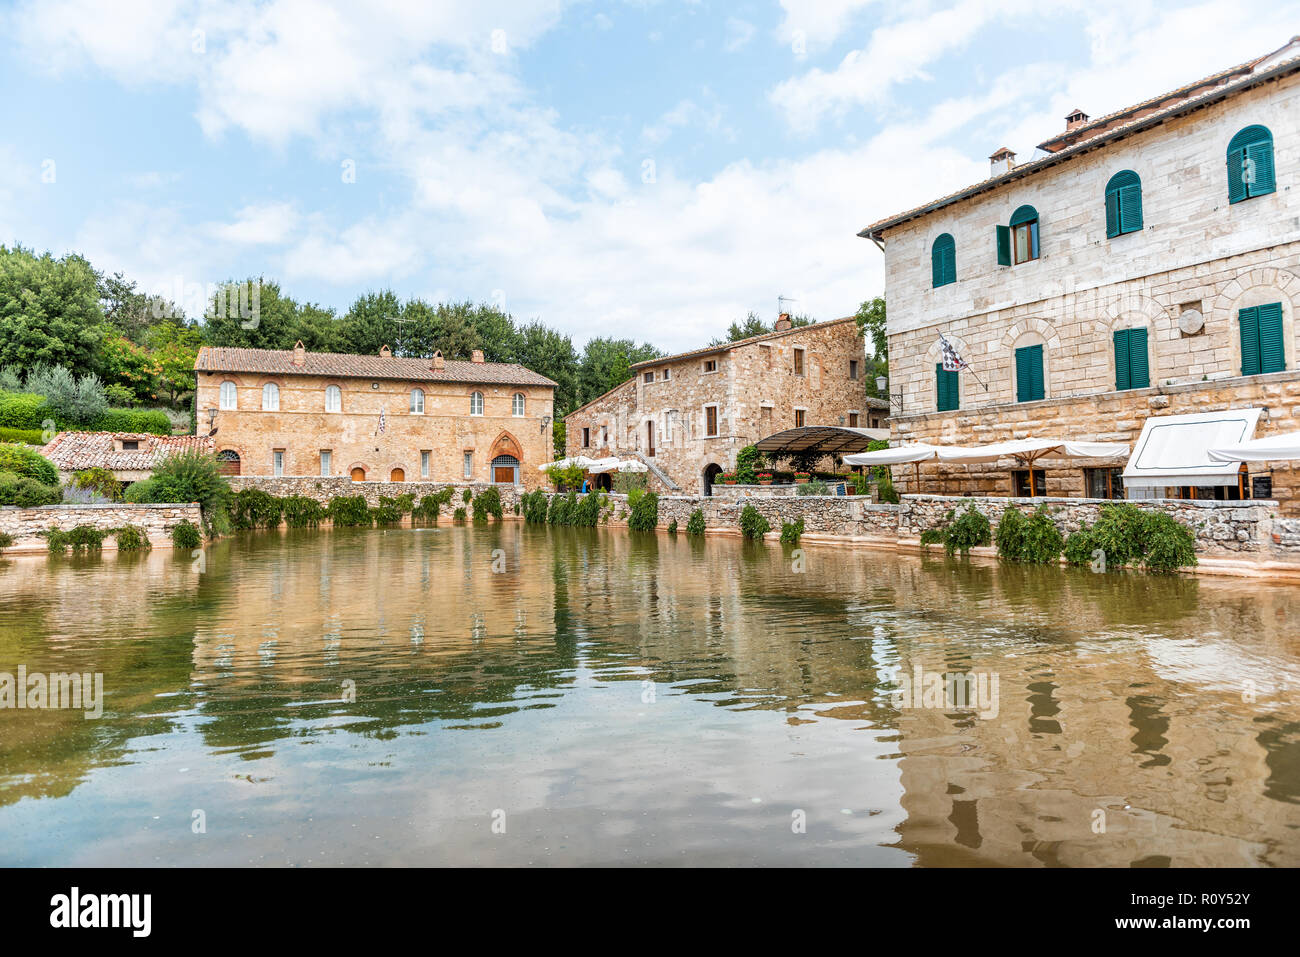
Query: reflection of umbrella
[(916, 454), (578, 461), (1270, 448), (1028, 451)]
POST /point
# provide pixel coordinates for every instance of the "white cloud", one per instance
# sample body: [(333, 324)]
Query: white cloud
[(817, 23), (269, 223), (739, 33), (687, 113)]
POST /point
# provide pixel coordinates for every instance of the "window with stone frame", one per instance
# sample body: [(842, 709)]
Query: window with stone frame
[(798, 360), (798, 418), (710, 421)]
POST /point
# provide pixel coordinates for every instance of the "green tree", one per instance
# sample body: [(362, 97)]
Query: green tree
[(372, 322), (551, 354), (871, 326), (606, 363), (49, 310)]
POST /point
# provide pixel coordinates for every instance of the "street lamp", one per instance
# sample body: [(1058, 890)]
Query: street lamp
[(895, 398)]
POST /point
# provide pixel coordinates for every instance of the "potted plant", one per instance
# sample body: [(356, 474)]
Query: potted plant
[(764, 478), (728, 478), (801, 478)]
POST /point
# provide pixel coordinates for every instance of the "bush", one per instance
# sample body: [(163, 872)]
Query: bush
[(812, 487), (488, 503), (131, 538), (644, 516), (748, 461), (22, 460), (26, 492), (24, 411), (695, 524), (254, 508), (100, 481), (888, 493), (149, 421), (467, 496), (565, 478), (22, 436), (118, 394), (429, 508), (587, 512), (389, 511), (672, 527), (190, 476), (1167, 545), (1033, 541), (752, 523), (348, 511), (1120, 532), (1080, 545), (80, 538), (301, 511), (624, 482), (186, 535), (634, 496), (535, 503), (1010, 534), (938, 535), (458, 515), (791, 532), (6, 540), (971, 529)]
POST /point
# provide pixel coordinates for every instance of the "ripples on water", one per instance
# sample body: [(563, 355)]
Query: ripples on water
[(382, 697)]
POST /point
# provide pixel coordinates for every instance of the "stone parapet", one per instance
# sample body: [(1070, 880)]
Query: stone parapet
[(157, 521)]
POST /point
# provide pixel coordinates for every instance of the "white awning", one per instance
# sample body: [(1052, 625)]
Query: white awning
[(896, 456), (1033, 449), (616, 465), (1271, 448), (581, 461), (1175, 449)]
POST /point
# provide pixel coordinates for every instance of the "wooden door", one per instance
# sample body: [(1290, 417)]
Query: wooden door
[(399, 475), (358, 474), (504, 474)]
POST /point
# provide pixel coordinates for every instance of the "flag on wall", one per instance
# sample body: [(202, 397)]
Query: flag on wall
[(380, 430), (952, 360)]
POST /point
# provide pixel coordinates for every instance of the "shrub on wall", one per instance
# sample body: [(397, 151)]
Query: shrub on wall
[(26, 492), (189, 476), (488, 503), (644, 516), (458, 515), (429, 508), (791, 532), (6, 540), (100, 482), (969, 530), (132, 538), (22, 460), (695, 524), (389, 512), (1010, 534), (535, 505), (80, 538), (587, 512), (1032, 541), (348, 511), (1120, 532), (301, 511), (186, 535), (752, 523), (1167, 545), (254, 508), (672, 527), (1125, 534)]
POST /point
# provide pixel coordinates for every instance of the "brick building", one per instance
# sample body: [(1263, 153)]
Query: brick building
[(687, 415), (130, 456), (1145, 263), (374, 418)]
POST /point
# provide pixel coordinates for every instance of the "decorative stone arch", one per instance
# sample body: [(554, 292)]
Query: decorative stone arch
[(1029, 332), (1134, 311), (227, 464), (708, 476), (364, 467), (262, 383), (506, 444), (1254, 288), (343, 394), (389, 469), (934, 355)]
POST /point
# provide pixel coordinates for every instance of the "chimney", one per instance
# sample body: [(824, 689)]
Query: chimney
[(1003, 161), (1075, 119), (783, 322), (437, 365), (299, 354), (476, 356), (385, 352)]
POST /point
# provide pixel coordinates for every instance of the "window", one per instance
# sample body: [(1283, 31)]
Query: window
[(326, 461), (604, 435), (586, 438), (517, 404), (1250, 164), (1103, 483), (228, 462), (505, 470), (1131, 367), (1022, 488), (1123, 204), (424, 463), (710, 421), (277, 462), (333, 399), (667, 374), (476, 403), (130, 445), (229, 395), (270, 397), (417, 402), (1029, 374), (798, 361), (947, 389), (766, 353), (853, 420), (1262, 348), (853, 369), (469, 465), (710, 365), (1018, 242), (943, 261), (648, 377), (798, 418)]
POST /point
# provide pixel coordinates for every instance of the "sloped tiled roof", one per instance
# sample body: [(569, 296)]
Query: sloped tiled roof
[(1116, 125), (725, 346), (70, 451), (343, 365)]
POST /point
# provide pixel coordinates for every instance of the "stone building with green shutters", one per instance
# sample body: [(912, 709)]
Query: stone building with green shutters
[(1141, 264)]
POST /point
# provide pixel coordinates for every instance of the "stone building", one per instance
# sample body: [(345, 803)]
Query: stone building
[(687, 415), (130, 456), (1140, 264), (374, 418)]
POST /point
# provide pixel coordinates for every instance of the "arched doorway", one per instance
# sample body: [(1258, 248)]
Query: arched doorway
[(604, 481), (397, 475), (711, 473), (228, 462), (358, 474), (505, 470)]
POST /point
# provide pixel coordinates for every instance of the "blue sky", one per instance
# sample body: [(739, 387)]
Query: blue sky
[(645, 169)]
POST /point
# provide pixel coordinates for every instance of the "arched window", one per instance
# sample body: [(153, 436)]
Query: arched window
[(1123, 204), (1030, 380), (228, 462), (1250, 164), (333, 399), (947, 388), (417, 402), (517, 405), (229, 395), (1024, 235), (505, 469), (943, 261), (476, 403), (270, 397)]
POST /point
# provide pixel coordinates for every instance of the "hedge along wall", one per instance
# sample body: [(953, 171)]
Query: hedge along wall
[(324, 489), (25, 524)]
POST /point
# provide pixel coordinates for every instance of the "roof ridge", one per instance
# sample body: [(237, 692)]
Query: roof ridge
[(735, 343)]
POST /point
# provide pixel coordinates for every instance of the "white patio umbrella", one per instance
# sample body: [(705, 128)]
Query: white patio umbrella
[(1269, 448), (609, 464), (580, 461), (1031, 450), (900, 455)]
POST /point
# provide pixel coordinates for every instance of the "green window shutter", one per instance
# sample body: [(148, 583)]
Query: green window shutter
[(936, 266), (1004, 245), (950, 264), (1039, 390), (1236, 184), (1122, 380), (1130, 209), (1272, 352), (943, 261), (1248, 319), (1029, 374), (947, 389), (1260, 157), (1139, 374), (1112, 214)]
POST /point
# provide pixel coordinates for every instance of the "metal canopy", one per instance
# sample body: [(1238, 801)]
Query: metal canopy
[(821, 440)]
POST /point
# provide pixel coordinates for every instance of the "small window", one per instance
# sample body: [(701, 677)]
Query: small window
[(270, 397), (648, 377), (947, 389), (326, 462), (1030, 385), (417, 402), (1026, 486), (710, 365), (711, 421), (853, 369), (229, 395), (277, 462), (798, 361), (469, 465), (1103, 483), (667, 374), (586, 438), (798, 418), (1263, 348), (424, 463), (130, 445), (1123, 204), (1132, 370), (853, 420), (517, 404), (1024, 234), (333, 399), (1250, 164), (766, 353), (476, 403), (943, 261)]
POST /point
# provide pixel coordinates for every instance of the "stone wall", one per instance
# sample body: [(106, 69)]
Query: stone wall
[(324, 489), (25, 524)]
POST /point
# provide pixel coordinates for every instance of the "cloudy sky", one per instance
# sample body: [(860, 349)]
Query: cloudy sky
[(640, 168)]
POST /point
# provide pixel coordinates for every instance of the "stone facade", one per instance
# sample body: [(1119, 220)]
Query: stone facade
[(26, 524), (1197, 254), (325, 489), (482, 415), (690, 414)]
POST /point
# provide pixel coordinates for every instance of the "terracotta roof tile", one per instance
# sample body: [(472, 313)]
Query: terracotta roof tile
[(70, 451), (349, 366)]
